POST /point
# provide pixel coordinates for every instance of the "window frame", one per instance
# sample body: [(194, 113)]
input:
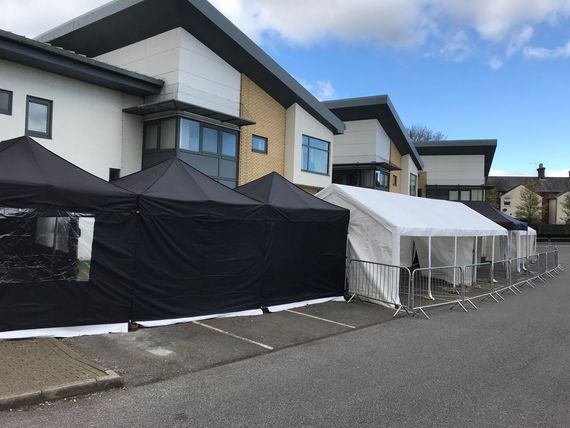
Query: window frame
[(49, 104), (415, 180), (7, 111), (328, 152), (266, 141), (394, 180)]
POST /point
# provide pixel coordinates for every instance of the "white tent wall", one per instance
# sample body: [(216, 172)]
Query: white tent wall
[(443, 254), (385, 226)]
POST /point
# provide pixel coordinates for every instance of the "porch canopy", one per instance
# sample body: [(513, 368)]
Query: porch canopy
[(392, 228), (307, 250), (65, 249), (200, 246)]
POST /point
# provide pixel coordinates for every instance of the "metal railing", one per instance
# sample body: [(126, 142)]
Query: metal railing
[(414, 291)]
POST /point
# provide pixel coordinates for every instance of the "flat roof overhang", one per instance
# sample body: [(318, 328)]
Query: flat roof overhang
[(388, 166), (42, 56), (176, 105)]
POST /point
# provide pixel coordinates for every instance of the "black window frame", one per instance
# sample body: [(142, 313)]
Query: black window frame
[(266, 144), (158, 122), (394, 180), (415, 184), (7, 111), (49, 104), (328, 151)]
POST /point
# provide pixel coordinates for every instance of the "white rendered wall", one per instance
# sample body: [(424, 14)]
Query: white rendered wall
[(560, 216), (299, 123), (455, 169), (88, 121), (515, 197), (408, 167), (363, 141), (192, 73)]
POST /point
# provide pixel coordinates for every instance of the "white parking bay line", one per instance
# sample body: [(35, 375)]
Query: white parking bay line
[(319, 318), (245, 339)]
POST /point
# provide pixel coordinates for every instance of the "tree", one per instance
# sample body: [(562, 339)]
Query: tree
[(530, 206), (419, 133), (566, 207), (492, 197)]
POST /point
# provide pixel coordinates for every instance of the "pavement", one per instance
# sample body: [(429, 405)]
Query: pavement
[(507, 364), (37, 370)]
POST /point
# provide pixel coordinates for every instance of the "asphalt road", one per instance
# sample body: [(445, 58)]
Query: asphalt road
[(507, 364)]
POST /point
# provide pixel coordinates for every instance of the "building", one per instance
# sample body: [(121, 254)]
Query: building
[(457, 170), (556, 209), (375, 150), (136, 82), (548, 188)]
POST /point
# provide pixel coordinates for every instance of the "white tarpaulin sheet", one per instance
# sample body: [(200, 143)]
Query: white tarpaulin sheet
[(382, 223)]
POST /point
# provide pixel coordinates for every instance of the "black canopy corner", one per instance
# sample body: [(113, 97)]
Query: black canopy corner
[(496, 215), (307, 251)]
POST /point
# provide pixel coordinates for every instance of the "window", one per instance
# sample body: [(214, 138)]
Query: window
[(259, 144), (5, 102), (465, 195), (168, 134), (394, 180), (507, 202), (229, 144), (381, 179), (151, 137), (189, 135), (38, 117), (315, 156), (453, 195), (114, 174), (477, 194), (210, 140), (413, 184)]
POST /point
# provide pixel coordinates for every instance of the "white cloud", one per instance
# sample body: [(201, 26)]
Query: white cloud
[(33, 17), (532, 52), (457, 47), (503, 173), (519, 40), (495, 63), (557, 172), (323, 90)]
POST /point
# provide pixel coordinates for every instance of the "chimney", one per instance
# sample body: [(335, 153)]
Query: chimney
[(541, 171)]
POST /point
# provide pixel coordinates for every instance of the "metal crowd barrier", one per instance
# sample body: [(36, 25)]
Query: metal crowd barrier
[(414, 291)]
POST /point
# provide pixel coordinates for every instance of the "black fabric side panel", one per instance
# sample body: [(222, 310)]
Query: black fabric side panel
[(305, 261), (196, 266)]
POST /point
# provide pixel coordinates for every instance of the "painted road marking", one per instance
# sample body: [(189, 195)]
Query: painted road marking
[(319, 318), (245, 339)]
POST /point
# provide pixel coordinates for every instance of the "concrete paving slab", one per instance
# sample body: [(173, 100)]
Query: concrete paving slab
[(278, 330), (153, 354), (44, 369)]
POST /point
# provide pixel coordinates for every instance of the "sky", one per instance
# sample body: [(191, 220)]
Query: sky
[(497, 69)]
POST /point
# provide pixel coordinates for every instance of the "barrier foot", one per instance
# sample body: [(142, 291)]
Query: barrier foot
[(472, 304), (499, 296), (400, 309), (494, 298), (351, 297), (462, 306), (424, 313)]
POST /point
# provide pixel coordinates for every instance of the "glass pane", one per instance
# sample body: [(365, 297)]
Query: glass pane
[(4, 101), (318, 144), (189, 135), (305, 159), (453, 195), (151, 137), (259, 144), (210, 141), (168, 134), (477, 195), (229, 144), (38, 117), (318, 161), (465, 195)]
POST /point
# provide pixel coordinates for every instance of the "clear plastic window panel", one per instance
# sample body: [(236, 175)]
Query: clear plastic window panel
[(45, 246)]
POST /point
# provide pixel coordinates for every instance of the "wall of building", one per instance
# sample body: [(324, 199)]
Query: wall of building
[(408, 167), (514, 196), (269, 118), (396, 159), (89, 126), (561, 218), (299, 123), (422, 183), (192, 72), (455, 169), (363, 141)]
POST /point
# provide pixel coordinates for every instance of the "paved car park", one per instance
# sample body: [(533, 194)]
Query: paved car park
[(153, 354)]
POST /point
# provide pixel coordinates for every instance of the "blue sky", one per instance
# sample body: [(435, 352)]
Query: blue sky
[(472, 69)]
